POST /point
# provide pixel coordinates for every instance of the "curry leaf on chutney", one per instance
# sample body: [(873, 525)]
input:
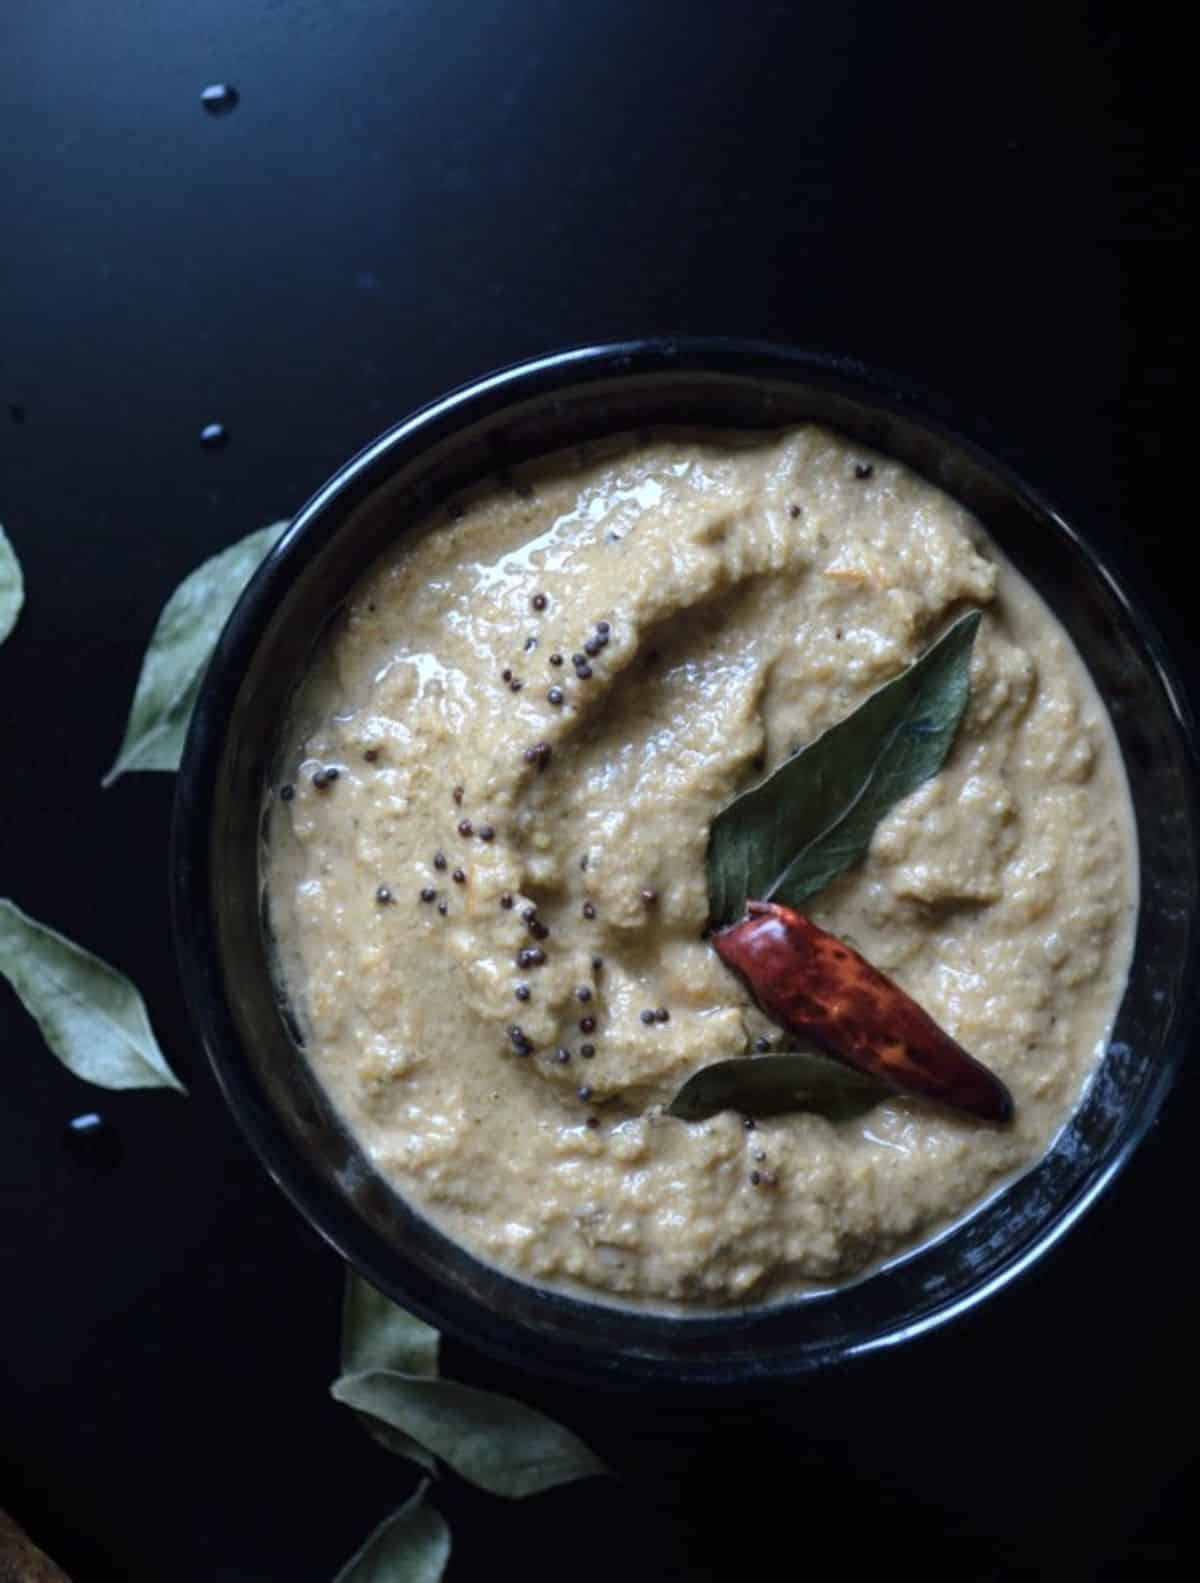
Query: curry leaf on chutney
[(813, 817)]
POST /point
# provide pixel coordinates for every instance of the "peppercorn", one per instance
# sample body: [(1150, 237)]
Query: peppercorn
[(506, 674), (516, 684), (506, 901), (562, 1055), (556, 696), (863, 470), (286, 793), (585, 1092), (487, 832), (531, 956), (439, 860), (647, 1016), (370, 754), (530, 644), (522, 992), (603, 628), (465, 827), (649, 897), (662, 1014), (538, 601), (428, 894), (583, 672), (587, 1024), (756, 1177), (589, 909), (592, 647), (593, 1122), (584, 992), (556, 659), (383, 895), (443, 908), (578, 659), (520, 1040), (457, 794), (587, 1051), (538, 754), (459, 877), (793, 512), (597, 964)]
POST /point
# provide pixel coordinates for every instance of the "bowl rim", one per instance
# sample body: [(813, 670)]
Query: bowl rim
[(320, 519)]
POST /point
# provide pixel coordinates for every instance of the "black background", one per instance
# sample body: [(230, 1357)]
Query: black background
[(990, 199)]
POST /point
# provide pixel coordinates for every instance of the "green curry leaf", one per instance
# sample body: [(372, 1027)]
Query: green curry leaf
[(12, 587), (377, 1334), (90, 1015), (410, 1546), (789, 836), (179, 651), (765, 1085), (499, 1444)]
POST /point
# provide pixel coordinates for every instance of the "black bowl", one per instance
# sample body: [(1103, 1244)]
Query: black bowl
[(527, 411)]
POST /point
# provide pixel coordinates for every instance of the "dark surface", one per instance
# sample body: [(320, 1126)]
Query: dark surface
[(404, 196)]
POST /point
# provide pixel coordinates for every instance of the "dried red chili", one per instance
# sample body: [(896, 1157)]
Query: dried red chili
[(817, 986)]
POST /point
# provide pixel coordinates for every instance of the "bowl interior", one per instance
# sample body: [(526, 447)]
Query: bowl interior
[(223, 927)]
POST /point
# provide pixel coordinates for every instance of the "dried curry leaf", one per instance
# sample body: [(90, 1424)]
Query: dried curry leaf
[(410, 1546), (813, 817), (179, 651), (378, 1334), (90, 1015), (767, 1085), (497, 1443), (12, 586)]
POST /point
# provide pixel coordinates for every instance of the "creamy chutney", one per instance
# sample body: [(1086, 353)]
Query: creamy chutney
[(490, 919)]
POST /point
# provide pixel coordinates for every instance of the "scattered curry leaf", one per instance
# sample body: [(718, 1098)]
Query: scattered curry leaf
[(499, 1444), (378, 1334), (410, 1546), (12, 586), (90, 1015), (765, 1085), (179, 651), (794, 832)]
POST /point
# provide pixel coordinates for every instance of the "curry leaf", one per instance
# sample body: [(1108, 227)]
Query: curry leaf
[(90, 1015), (765, 1085), (12, 587), (499, 1444), (179, 651), (378, 1334), (789, 836), (410, 1546)]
